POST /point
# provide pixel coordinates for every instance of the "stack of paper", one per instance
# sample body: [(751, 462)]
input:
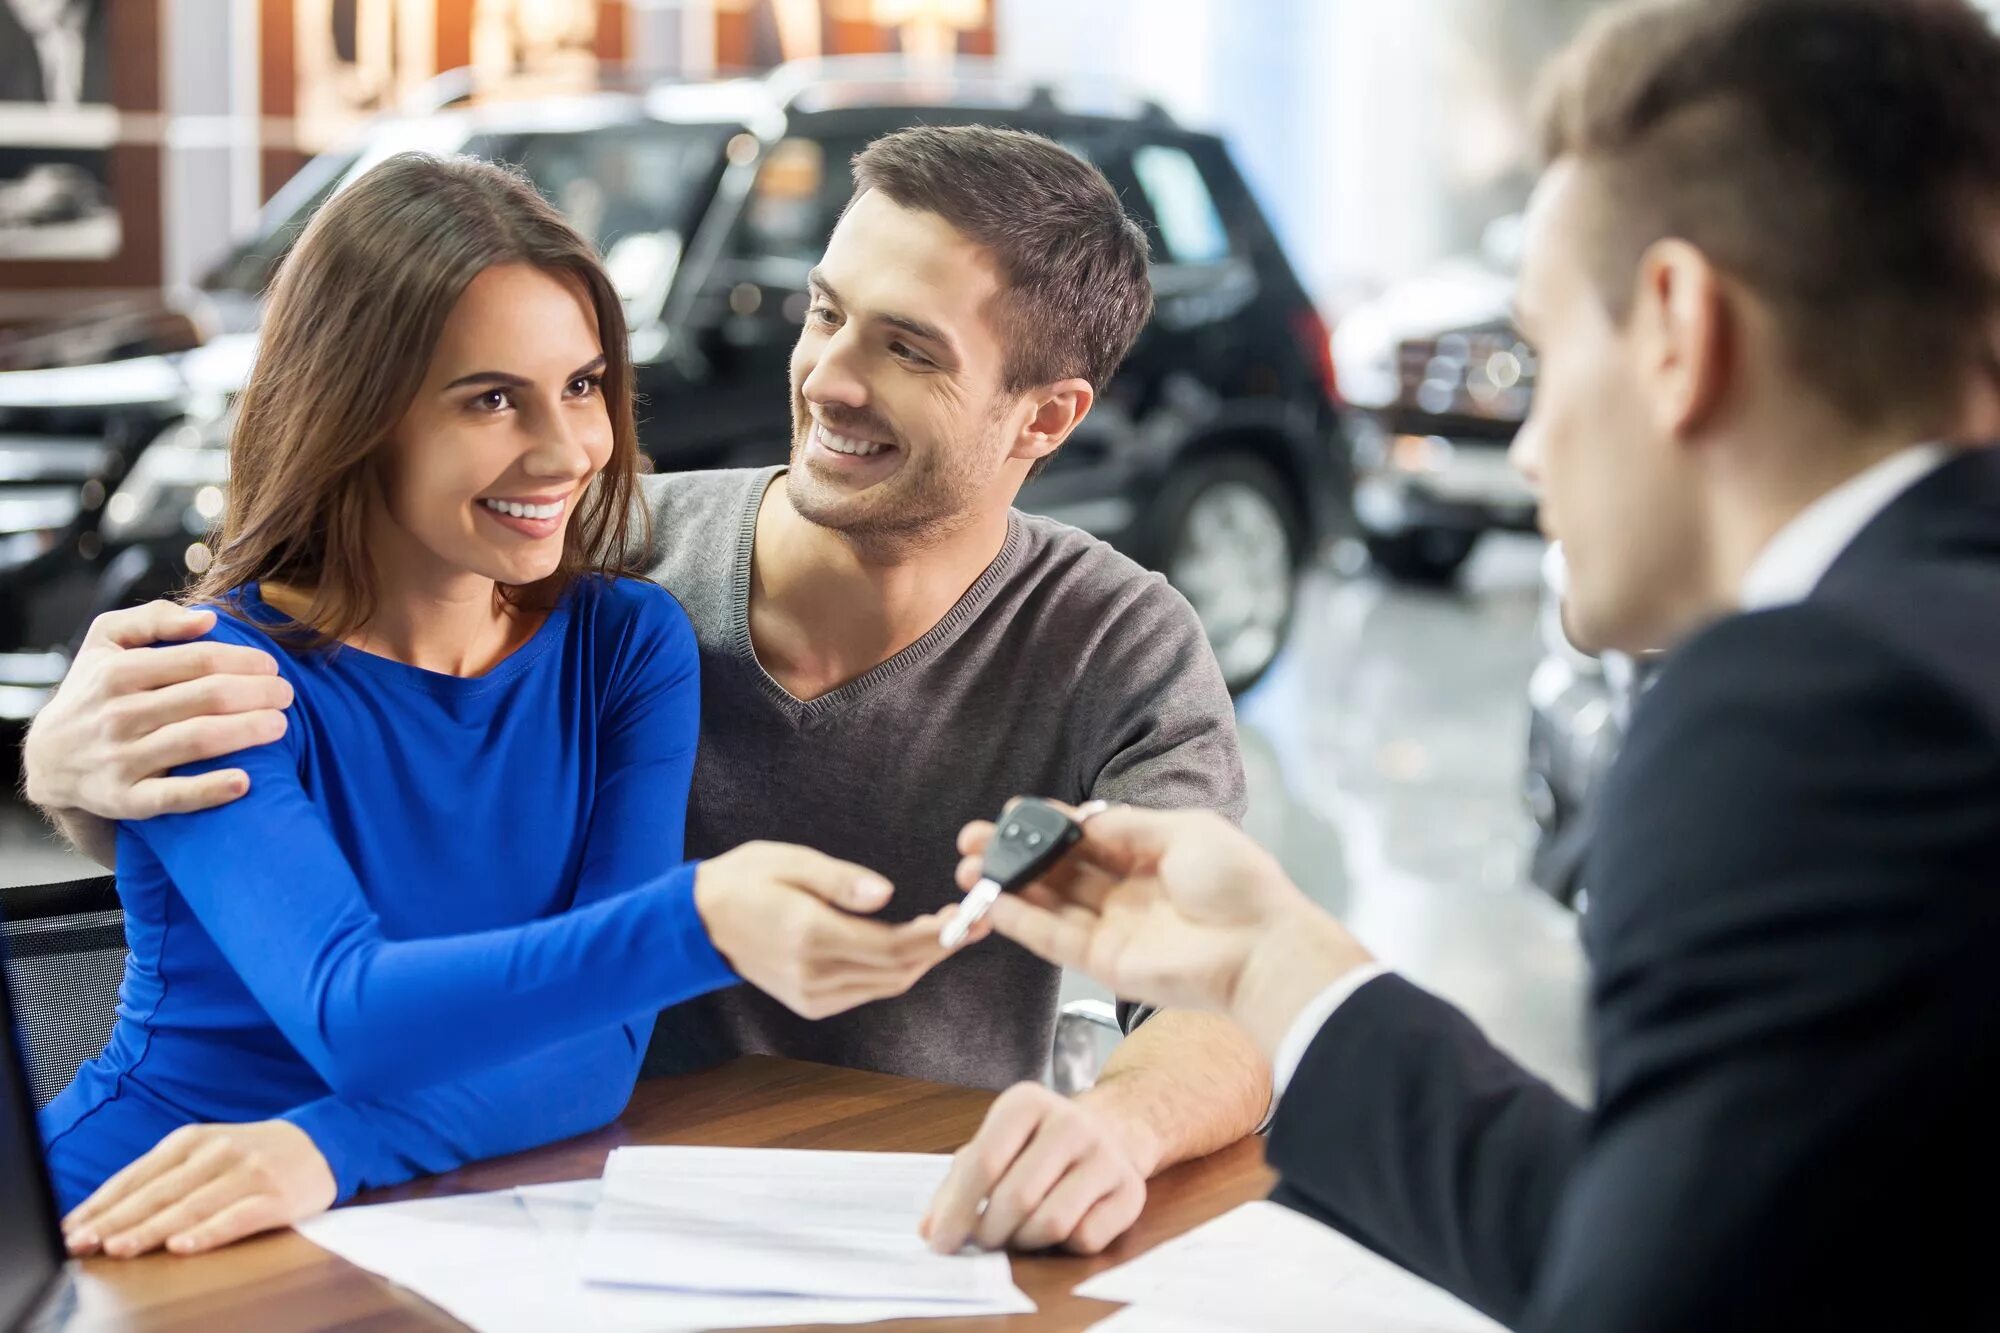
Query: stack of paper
[(762, 1220), (726, 1238), (1263, 1268)]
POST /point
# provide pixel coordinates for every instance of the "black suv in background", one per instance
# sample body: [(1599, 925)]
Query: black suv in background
[(1214, 456)]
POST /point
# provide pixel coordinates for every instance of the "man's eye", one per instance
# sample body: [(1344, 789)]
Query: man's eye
[(819, 314), (909, 353)]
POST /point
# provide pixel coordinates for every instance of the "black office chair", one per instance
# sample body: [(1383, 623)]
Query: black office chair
[(65, 946)]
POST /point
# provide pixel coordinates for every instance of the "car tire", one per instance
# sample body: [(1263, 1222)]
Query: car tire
[(1430, 557), (1228, 535)]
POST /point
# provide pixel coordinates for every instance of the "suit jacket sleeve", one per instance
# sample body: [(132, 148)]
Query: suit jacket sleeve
[(1792, 868), (1405, 1128)]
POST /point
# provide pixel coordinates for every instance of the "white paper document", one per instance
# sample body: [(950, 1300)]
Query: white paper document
[(508, 1262), (1262, 1268), (462, 1231), (780, 1221)]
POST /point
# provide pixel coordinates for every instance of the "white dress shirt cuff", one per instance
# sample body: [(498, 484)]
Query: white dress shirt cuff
[(1298, 1037)]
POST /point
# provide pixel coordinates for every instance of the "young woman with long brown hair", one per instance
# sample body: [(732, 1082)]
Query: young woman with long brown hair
[(437, 924)]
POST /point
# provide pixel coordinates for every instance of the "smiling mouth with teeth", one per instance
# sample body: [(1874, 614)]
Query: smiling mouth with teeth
[(513, 510), (842, 444)]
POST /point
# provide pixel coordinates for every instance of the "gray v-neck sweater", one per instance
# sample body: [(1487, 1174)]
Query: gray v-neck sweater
[(1066, 671)]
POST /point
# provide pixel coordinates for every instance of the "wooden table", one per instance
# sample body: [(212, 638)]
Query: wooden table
[(284, 1282)]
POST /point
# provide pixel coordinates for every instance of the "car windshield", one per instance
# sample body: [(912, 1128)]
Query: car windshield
[(636, 189)]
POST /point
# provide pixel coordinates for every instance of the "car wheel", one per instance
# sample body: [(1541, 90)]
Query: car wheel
[(1430, 556), (1229, 540)]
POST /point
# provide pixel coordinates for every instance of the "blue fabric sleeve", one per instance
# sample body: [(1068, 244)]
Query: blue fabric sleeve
[(646, 752), (375, 1016), (567, 1089)]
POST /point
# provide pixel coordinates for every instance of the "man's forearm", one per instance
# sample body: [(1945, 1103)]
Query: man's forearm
[(95, 838), (1184, 1084)]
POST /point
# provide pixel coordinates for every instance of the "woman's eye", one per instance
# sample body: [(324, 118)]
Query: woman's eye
[(585, 385), (819, 314), (493, 400)]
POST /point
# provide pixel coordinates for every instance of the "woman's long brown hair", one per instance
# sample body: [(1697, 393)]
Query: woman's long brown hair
[(352, 321)]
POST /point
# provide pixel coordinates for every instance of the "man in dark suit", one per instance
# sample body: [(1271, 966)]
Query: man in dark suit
[(1761, 269)]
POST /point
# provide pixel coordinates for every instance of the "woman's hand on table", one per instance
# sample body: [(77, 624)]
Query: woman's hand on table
[(204, 1186)]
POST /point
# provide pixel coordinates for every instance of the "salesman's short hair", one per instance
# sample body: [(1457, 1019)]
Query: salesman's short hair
[(1841, 158)]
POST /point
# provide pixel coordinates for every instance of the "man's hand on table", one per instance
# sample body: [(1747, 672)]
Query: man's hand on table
[(1043, 1170), (128, 712), (202, 1187)]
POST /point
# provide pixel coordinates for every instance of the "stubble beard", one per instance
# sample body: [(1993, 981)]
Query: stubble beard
[(932, 497)]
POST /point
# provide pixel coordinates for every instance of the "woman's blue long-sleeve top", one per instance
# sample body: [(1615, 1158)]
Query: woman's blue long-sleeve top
[(440, 923)]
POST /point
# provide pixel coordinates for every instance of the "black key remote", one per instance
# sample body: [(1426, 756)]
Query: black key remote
[(1029, 838)]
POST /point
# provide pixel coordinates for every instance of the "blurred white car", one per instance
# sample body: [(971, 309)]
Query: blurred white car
[(1438, 382)]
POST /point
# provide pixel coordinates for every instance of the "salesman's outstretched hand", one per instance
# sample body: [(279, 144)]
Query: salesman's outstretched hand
[(1179, 909)]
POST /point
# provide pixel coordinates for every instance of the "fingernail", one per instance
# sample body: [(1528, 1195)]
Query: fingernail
[(869, 892), (181, 1244)]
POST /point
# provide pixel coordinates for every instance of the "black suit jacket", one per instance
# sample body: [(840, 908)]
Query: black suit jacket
[(1794, 939)]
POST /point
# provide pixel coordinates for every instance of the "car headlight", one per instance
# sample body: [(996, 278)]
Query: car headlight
[(177, 487), (1484, 373)]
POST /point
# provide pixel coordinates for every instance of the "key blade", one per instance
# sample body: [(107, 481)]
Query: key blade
[(970, 913)]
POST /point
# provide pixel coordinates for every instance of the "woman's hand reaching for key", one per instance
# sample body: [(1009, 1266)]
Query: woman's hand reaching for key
[(794, 924)]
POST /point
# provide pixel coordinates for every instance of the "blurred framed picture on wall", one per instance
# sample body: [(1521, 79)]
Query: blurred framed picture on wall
[(55, 203), (53, 53), (56, 131), (355, 59)]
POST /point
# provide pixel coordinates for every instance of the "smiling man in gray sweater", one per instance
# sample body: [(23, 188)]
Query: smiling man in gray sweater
[(890, 649), (893, 646)]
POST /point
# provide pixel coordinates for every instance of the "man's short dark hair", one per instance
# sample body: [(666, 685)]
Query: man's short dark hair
[(1076, 288), (1839, 157)]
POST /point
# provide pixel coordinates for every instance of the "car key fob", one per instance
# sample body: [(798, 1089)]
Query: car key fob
[(1028, 838)]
